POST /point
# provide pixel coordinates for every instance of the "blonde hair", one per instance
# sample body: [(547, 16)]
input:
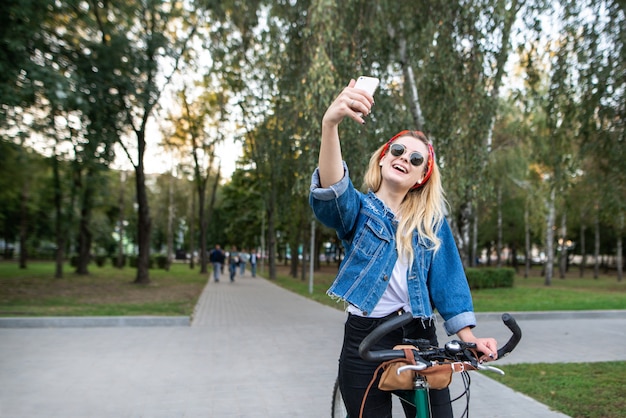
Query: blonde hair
[(422, 208)]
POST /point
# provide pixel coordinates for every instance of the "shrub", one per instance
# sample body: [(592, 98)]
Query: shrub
[(489, 278), (114, 261), (101, 260), (161, 261), (133, 259)]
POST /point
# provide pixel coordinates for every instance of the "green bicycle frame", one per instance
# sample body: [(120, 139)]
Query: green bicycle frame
[(417, 397)]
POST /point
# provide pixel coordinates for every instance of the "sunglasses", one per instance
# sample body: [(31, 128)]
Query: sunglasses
[(415, 157), (431, 153)]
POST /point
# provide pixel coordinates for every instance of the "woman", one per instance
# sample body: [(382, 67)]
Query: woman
[(399, 252)]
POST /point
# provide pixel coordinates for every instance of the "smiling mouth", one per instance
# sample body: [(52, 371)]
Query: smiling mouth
[(400, 168)]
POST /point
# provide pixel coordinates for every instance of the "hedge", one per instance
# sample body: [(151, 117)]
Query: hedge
[(489, 278)]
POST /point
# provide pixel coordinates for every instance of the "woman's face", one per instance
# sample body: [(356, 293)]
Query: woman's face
[(404, 163)]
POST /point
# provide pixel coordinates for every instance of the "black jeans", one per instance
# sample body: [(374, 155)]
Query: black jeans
[(355, 373)]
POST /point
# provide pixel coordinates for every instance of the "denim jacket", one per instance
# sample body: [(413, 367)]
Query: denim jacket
[(366, 228)]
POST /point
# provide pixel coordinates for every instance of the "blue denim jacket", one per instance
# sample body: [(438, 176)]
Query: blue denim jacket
[(367, 230)]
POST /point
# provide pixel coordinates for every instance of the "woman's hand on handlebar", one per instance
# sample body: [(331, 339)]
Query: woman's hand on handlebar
[(488, 347)]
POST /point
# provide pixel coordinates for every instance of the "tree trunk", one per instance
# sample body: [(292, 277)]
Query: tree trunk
[(596, 251), (464, 224), (549, 267), (583, 250), (271, 239), (192, 231), (84, 224), (170, 223), (563, 247), (58, 224), (144, 224), (514, 262), (213, 197), (409, 77), (23, 225), (293, 263), (474, 250), (201, 188), (499, 242), (527, 247), (619, 258), (304, 264), (120, 222)]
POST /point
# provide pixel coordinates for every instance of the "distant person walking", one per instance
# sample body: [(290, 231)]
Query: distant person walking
[(243, 260), (253, 259), (233, 262), (217, 257)]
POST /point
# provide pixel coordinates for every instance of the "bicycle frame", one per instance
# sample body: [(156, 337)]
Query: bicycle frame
[(417, 397)]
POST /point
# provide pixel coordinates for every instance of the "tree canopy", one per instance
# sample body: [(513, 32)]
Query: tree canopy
[(523, 100)]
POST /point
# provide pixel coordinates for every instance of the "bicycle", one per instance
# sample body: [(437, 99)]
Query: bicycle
[(456, 352)]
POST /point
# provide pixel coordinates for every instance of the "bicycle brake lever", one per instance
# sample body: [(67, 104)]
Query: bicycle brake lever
[(482, 366), (471, 358)]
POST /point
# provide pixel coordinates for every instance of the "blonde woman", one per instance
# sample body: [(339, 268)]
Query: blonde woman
[(399, 251)]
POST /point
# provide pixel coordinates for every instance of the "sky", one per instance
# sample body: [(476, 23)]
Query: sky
[(156, 161)]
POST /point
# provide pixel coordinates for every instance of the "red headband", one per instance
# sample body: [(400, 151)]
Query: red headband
[(431, 153)]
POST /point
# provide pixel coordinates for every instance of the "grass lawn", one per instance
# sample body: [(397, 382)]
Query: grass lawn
[(106, 291), (580, 390), (528, 294)]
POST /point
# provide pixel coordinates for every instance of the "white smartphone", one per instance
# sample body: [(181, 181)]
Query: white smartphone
[(369, 84)]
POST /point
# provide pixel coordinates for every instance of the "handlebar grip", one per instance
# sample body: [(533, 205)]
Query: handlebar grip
[(511, 323), (380, 331)]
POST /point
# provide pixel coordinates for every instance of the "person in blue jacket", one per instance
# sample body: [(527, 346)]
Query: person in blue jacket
[(400, 254)]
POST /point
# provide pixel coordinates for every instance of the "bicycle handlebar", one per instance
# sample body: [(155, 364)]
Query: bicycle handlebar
[(401, 320), (510, 345), (378, 333)]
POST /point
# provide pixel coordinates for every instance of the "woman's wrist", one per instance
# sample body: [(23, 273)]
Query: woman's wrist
[(466, 335)]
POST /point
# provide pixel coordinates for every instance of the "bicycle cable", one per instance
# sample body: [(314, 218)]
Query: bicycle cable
[(467, 380)]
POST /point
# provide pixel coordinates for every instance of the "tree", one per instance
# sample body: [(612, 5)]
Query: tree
[(197, 132), (159, 35)]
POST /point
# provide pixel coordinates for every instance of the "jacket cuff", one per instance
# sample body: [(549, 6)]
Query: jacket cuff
[(460, 321), (332, 192)]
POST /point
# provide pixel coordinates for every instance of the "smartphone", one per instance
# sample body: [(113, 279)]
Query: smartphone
[(369, 84)]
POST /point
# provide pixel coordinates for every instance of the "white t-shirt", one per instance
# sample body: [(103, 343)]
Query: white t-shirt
[(396, 295)]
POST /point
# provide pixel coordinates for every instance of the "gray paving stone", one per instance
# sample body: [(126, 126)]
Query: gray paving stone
[(251, 349)]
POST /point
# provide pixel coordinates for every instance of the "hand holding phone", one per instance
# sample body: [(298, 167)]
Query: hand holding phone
[(369, 84)]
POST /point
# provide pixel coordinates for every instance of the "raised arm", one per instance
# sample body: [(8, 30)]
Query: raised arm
[(352, 103)]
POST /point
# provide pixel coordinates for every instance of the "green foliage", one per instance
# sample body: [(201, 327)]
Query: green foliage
[(489, 278), (161, 261), (274, 67), (133, 261), (100, 260)]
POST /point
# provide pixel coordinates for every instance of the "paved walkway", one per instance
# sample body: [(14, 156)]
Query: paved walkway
[(252, 350)]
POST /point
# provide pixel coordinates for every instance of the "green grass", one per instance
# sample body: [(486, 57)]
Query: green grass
[(527, 294), (580, 390), (106, 291)]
